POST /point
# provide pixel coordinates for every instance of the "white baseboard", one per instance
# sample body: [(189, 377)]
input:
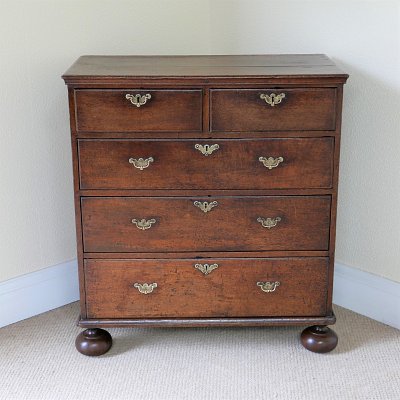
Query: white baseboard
[(28, 295), (367, 294), (38, 292)]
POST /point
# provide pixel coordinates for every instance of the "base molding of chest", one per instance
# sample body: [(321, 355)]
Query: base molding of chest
[(206, 322)]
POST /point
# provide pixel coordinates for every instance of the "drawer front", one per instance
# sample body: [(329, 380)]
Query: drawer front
[(206, 288), (114, 111), (140, 224), (299, 109), (200, 164)]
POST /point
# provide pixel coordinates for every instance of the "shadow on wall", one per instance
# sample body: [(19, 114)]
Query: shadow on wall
[(369, 185)]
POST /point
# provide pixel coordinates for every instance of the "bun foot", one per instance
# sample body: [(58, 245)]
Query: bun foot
[(319, 339), (93, 342)]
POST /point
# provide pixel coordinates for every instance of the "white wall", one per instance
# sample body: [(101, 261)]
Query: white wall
[(40, 39)]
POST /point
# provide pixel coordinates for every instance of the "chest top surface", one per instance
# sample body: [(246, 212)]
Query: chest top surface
[(304, 65)]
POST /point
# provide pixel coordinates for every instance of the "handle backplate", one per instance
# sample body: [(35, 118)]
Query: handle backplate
[(270, 162), (141, 163), (143, 224), (268, 222), (145, 288), (268, 287)]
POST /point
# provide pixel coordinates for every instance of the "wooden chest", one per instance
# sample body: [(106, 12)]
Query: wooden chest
[(205, 192)]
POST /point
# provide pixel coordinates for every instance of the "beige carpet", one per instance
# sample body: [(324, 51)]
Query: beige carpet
[(39, 361)]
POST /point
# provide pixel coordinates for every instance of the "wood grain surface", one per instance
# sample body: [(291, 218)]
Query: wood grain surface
[(110, 111), (307, 163), (230, 290), (301, 109), (275, 65), (181, 226)]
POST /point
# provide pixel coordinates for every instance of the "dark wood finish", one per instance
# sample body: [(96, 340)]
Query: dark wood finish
[(181, 226), (191, 95), (93, 342), (205, 322), (288, 66), (301, 109), (308, 163), (228, 291), (118, 82), (319, 339), (77, 202), (332, 234), (206, 134), (110, 111), (200, 192), (215, 255)]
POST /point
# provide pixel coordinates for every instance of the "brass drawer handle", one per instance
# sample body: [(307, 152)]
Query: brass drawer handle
[(268, 222), (145, 288), (270, 162), (143, 224), (206, 268), (207, 149), (141, 163), (137, 99), (268, 287), (272, 99), (205, 206)]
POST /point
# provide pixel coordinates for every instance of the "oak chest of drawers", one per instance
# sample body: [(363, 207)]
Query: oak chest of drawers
[(205, 192)]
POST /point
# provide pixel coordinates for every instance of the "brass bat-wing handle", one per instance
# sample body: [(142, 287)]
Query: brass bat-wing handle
[(145, 288), (143, 224), (268, 222), (270, 162), (272, 99), (141, 163), (268, 286)]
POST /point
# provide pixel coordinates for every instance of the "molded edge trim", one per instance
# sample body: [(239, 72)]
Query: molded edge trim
[(199, 322)]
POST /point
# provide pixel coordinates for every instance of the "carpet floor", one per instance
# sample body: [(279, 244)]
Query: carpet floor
[(38, 361)]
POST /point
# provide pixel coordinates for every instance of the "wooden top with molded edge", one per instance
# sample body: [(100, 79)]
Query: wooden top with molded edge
[(279, 65)]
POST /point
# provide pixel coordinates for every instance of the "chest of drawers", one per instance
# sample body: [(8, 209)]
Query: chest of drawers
[(205, 192)]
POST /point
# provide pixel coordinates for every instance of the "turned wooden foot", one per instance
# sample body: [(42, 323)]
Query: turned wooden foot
[(319, 339), (93, 342)]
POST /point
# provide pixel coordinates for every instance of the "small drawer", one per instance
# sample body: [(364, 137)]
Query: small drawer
[(206, 288), (234, 110), (138, 110), (213, 164), (144, 224)]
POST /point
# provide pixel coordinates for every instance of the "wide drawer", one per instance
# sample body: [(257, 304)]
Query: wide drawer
[(143, 224), (259, 110), (114, 111), (206, 288), (199, 164)]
